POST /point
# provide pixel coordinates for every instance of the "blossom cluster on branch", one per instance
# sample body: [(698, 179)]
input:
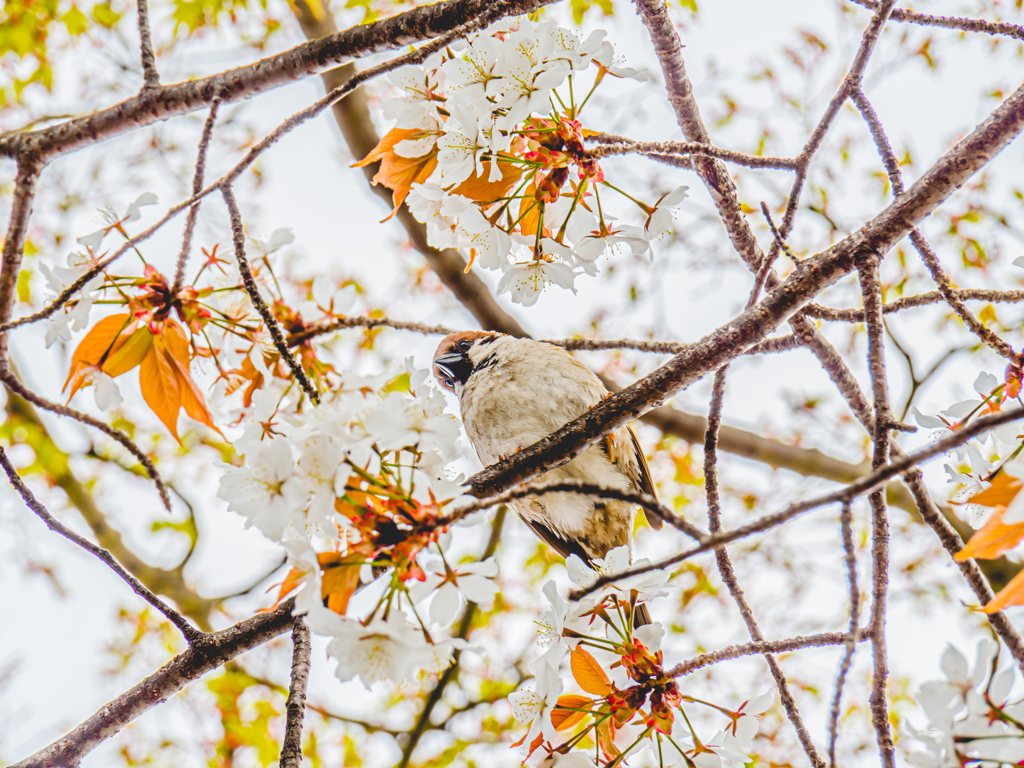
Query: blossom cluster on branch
[(972, 718), (489, 153)]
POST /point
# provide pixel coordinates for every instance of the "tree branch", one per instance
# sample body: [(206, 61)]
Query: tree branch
[(865, 485), (150, 77), (197, 187), (192, 635), (909, 302), (852, 632), (871, 293), (950, 22), (169, 582), (752, 649), (698, 149), (291, 749), (214, 650), (238, 238), (167, 101)]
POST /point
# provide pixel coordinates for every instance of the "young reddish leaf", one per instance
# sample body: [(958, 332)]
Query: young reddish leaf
[(564, 716), (1002, 491), (341, 577), (588, 672), (129, 353), (993, 539), (161, 390), (97, 342), (1011, 594), (399, 173)]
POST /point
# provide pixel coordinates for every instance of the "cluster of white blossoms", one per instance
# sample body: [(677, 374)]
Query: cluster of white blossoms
[(351, 486), (971, 717), (496, 127), (625, 672)]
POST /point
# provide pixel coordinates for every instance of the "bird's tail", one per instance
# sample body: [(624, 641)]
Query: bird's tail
[(641, 616)]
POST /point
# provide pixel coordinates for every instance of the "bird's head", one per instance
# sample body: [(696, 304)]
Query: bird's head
[(459, 355)]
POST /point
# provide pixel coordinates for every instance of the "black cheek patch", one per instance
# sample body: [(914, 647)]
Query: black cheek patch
[(487, 362)]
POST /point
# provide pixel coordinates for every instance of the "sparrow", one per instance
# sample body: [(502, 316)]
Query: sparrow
[(513, 392)]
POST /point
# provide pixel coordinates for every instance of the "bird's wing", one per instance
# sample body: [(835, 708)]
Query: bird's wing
[(564, 547), (646, 483)]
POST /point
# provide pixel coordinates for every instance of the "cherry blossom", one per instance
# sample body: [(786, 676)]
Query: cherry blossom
[(266, 490), (451, 588), (970, 716), (525, 282), (383, 650)]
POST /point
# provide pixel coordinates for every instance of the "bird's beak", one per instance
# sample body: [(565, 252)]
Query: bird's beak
[(445, 362), (445, 370)]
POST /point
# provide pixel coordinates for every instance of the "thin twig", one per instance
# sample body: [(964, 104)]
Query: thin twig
[(649, 503), (928, 256), (758, 648), (150, 77), (291, 747), (853, 79), (330, 326), (14, 245), (865, 485), (12, 383), (465, 626), (871, 293), (951, 22), (197, 187), (191, 633), (659, 148), (852, 633), (909, 302), (724, 562), (238, 237), (779, 240), (779, 344)]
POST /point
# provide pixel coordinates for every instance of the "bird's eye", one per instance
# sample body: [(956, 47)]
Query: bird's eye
[(464, 345)]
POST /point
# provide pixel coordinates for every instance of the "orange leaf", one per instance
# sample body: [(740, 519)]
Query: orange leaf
[(1011, 594), (399, 173), (191, 397), (129, 353), (477, 187), (993, 539), (161, 389), (564, 714), (1002, 491), (91, 349), (341, 577), (588, 672), (529, 210), (291, 581)]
